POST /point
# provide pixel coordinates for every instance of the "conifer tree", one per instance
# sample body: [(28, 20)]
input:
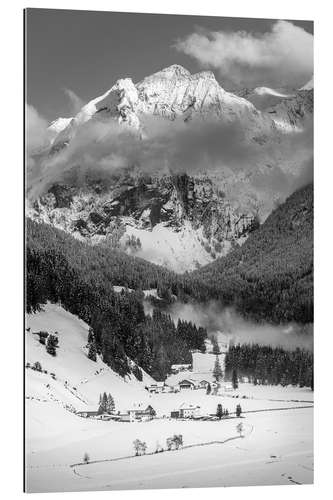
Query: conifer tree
[(91, 336), (216, 349), (51, 344), (217, 372), (92, 353), (219, 411), (110, 406), (234, 379), (103, 404)]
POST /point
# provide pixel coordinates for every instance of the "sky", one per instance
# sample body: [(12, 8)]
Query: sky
[(74, 56)]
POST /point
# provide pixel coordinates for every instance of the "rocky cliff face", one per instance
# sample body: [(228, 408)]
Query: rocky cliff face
[(180, 221)]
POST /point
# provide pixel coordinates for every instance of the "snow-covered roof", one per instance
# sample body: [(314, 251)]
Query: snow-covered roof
[(186, 406), (193, 382), (185, 365)]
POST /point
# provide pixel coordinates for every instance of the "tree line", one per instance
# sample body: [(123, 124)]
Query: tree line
[(269, 365)]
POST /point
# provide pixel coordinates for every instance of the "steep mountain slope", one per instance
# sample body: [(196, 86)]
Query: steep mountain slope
[(172, 92), (84, 280), (290, 114), (77, 381), (271, 276), (264, 97), (179, 222)]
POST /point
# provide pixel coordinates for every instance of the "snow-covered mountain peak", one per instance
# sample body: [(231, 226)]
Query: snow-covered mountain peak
[(173, 71)]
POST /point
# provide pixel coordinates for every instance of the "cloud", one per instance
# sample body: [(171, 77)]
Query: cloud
[(216, 318), (280, 57), (36, 130), (106, 149), (76, 103)]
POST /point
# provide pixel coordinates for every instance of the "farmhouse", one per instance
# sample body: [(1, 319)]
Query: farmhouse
[(189, 411), (87, 414), (139, 414), (158, 387), (188, 384), (203, 384)]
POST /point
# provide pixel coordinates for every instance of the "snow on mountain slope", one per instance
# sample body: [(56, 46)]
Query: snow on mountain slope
[(308, 85), (172, 92), (289, 115), (59, 125), (77, 381), (264, 97), (177, 221), (269, 91), (181, 250)]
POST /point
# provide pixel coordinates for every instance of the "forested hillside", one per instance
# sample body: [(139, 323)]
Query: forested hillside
[(270, 277), (63, 270)]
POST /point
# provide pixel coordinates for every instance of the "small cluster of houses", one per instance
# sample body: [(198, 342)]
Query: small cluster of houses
[(138, 414), (143, 414), (188, 384)]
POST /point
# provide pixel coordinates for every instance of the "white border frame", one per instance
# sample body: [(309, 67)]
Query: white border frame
[(11, 123)]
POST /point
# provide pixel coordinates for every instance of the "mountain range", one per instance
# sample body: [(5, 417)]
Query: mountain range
[(173, 169)]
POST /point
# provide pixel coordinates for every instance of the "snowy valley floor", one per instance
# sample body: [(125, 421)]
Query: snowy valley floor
[(277, 447)]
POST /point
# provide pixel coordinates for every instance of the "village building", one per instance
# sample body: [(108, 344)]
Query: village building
[(189, 411), (87, 413), (142, 414), (203, 384), (158, 387), (188, 384)]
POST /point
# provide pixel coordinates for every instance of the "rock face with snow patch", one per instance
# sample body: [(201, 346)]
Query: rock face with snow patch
[(177, 221)]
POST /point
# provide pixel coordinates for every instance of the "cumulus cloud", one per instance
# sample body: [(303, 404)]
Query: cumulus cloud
[(280, 57), (76, 103)]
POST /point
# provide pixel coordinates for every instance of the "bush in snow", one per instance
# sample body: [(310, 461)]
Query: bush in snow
[(86, 458), (240, 428), (42, 337), (174, 442), (38, 366), (140, 447), (238, 410)]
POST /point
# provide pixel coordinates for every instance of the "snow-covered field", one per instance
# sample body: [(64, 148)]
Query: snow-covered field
[(276, 449)]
